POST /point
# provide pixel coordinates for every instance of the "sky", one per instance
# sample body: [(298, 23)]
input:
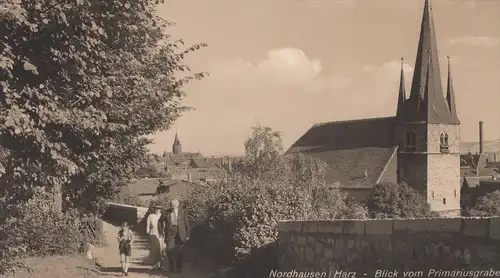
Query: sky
[(289, 64)]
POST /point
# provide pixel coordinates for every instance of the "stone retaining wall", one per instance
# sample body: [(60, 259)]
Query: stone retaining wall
[(369, 245)]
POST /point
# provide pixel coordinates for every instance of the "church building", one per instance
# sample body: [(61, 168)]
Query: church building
[(419, 145)]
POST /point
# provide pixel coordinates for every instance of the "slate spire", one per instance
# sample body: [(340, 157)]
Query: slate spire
[(402, 93), (427, 101), (177, 147), (450, 95), (176, 139)]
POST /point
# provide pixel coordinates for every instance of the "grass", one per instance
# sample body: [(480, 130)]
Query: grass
[(56, 267)]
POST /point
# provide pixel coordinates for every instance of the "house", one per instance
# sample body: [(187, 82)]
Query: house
[(479, 173), (191, 167)]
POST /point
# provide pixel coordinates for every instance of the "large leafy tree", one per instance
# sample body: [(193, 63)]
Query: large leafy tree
[(266, 187), (487, 205), (81, 83), (390, 200), (263, 151)]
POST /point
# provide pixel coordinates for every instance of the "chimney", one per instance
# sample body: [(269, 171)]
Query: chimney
[(494, 157), (221, 162), (481, 138)]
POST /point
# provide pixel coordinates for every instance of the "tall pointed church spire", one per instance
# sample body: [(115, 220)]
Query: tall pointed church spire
[(177, 147), (450, 94), (176, 139), (402, 92), (427, 102)]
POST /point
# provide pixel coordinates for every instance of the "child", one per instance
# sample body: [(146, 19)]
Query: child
[(125, 240)]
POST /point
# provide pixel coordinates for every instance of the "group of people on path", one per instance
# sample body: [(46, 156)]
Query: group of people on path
[(168, 231)]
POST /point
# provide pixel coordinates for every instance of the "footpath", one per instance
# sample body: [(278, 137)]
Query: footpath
[(108, 259)]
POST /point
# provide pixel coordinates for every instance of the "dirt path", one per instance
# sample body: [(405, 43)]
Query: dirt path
[(107, 257), (77, 266)]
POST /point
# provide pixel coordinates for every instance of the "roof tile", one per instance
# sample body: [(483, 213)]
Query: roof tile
[(350, 149)]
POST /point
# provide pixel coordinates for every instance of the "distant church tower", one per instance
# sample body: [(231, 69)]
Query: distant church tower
[(177, 147), (428, 129)]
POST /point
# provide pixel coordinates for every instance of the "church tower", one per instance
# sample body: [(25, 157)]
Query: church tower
[(177, 147), (428, 129)]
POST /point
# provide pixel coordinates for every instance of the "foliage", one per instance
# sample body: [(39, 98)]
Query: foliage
[(128, 198), (488, 205), (241, 212), (331, 203), (263, 150), (397, 201), (81, 83), (37, 228), (161, 200), (201, 199)]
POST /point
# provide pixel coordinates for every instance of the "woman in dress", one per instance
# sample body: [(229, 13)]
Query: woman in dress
[(153, 231)]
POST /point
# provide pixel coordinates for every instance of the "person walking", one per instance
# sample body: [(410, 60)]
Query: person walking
[(153, 231), (177, 232), (125, 240)]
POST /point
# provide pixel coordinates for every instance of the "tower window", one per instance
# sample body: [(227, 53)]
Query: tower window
[(410, 141), (455, 192), (432, 195), (444, 201), (443, 143)]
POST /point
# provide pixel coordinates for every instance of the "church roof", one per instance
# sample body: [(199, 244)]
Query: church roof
[(427, 102), (351, 149)]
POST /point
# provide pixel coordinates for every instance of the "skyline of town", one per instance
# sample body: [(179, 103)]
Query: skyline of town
[(309, 78)]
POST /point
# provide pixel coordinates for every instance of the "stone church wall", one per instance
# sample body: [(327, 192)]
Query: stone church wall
[(411, 244), (443, 172)]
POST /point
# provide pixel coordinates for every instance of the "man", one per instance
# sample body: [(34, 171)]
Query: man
[(177, 232), (153, 231)]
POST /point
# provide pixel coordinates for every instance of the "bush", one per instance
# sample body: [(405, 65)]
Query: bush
[(202, 198), (163, 200), (37, 228), (488, 205), (333, 204), (237, 217), (128, 198), (260, 211), (398, 201)]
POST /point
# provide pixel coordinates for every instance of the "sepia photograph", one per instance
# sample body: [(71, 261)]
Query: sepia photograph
[(249, 139)]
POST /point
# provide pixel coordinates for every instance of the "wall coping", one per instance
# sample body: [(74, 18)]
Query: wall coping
[(468, 226), (374, 219), (123, 205)]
